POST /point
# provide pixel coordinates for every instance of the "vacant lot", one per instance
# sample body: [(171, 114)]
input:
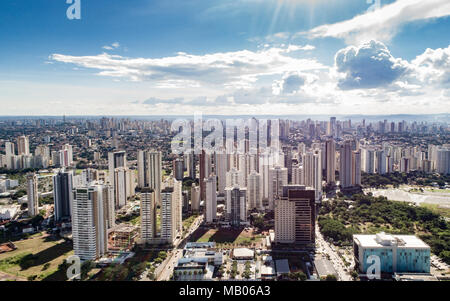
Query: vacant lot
[(39, 256), (224, 236)]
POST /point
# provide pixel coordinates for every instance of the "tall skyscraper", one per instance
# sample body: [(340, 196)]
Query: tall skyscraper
[(148, 215), (356, 168), (298, 175), (23, 145), (63, 195), (9, 154), (90, 221), (190, 164), (205, 171), (443, 160), (123, 185), (195, 198), (345, 170), (236, 198), (278, 177), (116, 160), (171, 223), (178, 169), (221, 171), (295, 216), (254, 191), (32, 195), (380, 162), (149, 172), (330, 154), (211, 199)]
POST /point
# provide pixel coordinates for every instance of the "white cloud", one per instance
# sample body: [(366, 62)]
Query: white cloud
[(382, 24), (113, 46), (221, 69), (433, 66), (370, 65)]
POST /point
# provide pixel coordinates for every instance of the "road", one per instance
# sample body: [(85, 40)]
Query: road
[(335, 259), (164, 271)]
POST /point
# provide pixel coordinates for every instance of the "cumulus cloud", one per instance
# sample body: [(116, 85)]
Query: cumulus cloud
[(230, 68), (382, 24), (433, 66), (292, 82), (370, 65)]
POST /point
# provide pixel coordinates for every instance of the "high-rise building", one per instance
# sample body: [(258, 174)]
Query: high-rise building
[(234, 177), (9, 155), (298, 176), (356, 168), (171, 215), (178, 169), (205, 171), (195, 198), (66, 155), (236, 198), (345, 169), (330, 161), (116, 160), (278, 177), (23, 145), (211, 199), (149, 172), (287, 151), (190, 165), (221, 171), (91, 207), (295, 216), (148, 215), (443, 160), (123, 185), (254, 191), (32, 195), (62, 195), (312, 168), (380, 162)]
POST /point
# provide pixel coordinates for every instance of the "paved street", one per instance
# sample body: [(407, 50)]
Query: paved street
[(164, 271), (336, 260)]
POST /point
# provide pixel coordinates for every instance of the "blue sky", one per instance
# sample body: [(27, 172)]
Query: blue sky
[(223, 56)]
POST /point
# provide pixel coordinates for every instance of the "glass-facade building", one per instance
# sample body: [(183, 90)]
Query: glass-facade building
[(397, 253)]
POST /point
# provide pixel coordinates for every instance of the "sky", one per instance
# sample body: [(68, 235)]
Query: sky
[(256, 57)]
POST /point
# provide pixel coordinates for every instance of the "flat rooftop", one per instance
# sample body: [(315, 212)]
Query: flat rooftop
[(381, 240)]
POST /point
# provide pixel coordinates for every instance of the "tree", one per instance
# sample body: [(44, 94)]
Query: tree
[(331, 277)]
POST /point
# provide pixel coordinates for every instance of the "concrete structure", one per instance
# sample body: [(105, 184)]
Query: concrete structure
[(32, 195), (148, 215), (62, 195), (397, 253), (278, 177), (330, 161), (89, 222), (211, 199), (149, 172), (295, 216), (254, 191), (236, 204)]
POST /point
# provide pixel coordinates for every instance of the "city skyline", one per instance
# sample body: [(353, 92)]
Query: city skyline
[(251, 56)]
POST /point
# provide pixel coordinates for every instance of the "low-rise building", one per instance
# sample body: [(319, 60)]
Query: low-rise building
[(397, 253)]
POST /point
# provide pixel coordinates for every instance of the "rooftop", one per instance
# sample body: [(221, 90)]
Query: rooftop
[(382, 240)]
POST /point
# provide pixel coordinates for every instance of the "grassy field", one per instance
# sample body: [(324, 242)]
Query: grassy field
[(39, 256), (227, 236), (436, 209)]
